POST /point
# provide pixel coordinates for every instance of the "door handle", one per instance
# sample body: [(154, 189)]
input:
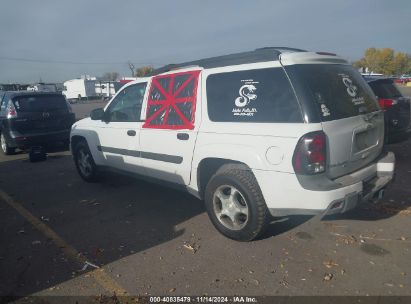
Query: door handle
[(183, 136), (131, 133)]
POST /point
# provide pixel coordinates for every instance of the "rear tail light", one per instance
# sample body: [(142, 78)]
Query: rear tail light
[(386, 103), (11, 110), (310, 154)]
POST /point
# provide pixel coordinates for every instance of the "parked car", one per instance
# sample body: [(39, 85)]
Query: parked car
[(405, 78), (396, 109), (271, 132), (33, 119)]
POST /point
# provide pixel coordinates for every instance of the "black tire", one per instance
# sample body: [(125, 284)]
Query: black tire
[(5, 146), (80, 151), (242, 181)]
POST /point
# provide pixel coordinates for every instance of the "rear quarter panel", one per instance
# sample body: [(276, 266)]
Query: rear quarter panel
[(261, 146)]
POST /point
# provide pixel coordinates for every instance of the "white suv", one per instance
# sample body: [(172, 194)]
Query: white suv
[(272, 132)]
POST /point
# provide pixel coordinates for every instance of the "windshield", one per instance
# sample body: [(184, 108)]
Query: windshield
[(338, 91), (385, 88), (38, 103)]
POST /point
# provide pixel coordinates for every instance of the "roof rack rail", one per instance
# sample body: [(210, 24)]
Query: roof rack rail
[(281, 48), (258, 55)]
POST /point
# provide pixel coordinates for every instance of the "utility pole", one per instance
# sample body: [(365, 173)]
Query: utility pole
[(131, 67)]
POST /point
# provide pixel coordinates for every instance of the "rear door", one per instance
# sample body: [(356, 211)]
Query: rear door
[(169, 133), (349, 114), (41, 113)]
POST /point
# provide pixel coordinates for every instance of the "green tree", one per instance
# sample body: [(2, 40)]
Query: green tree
[(370, 58), (143, 71), (384, 61), (402, 63), (109, 76)]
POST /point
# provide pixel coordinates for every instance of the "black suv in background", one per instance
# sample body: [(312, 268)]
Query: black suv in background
[(396, 108), (33, 119)]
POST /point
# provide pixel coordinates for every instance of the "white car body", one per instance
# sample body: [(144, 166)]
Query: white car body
[(266, 148)]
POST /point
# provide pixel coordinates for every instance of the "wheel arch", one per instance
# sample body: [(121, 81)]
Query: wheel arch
[(209, 166), (75, 139)]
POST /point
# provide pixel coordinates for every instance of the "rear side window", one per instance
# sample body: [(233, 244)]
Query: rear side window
[(385, 88), (263, 95), (38, 103), (337, 91), (172, 101)]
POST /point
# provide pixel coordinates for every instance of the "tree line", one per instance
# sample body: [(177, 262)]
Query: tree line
[(385, 61)]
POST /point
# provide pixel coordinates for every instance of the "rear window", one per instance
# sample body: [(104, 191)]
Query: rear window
[(263, 95), (37, 103), (385, 88), (338, 91)]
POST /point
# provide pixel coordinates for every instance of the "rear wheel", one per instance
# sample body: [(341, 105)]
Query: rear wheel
[(235, 204), (5, 146), (85, 163)]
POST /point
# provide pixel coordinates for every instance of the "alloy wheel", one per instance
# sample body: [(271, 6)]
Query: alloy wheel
[(230, 207)]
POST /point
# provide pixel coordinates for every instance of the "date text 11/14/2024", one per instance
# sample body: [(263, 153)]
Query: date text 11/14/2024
[(203, 299)]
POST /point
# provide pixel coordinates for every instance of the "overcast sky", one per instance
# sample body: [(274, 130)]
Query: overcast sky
[(60, 40)]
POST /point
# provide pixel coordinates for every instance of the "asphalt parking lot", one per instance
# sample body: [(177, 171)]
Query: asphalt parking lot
[(62, 236)]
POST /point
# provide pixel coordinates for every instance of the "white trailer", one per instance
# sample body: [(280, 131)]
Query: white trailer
[(79, 89), (107, 89)]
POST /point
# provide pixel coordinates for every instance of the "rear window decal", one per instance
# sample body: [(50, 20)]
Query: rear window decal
[(352, 90), (325, 110), (247, 94), (252, 96), (172, 101)]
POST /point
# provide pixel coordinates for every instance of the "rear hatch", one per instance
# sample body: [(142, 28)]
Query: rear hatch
[(40, 113), (348, 111), (397, 107)]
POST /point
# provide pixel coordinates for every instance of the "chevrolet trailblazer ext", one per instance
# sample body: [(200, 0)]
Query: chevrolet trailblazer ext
[(271, 132)]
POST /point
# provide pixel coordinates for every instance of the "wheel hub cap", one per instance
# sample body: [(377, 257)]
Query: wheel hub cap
[(84, 162), (230, 207), (3, 143)]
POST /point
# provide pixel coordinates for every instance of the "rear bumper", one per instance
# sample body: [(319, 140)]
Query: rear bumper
[(284, 194), (24, 141)]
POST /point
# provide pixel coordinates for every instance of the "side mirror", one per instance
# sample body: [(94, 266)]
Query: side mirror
[(97, 114)]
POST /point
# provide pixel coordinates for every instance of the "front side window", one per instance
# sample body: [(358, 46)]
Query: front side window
[(126, 106), (172, 101), (256, 96)]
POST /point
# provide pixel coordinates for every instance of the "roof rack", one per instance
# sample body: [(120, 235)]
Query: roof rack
[(258, 55)]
